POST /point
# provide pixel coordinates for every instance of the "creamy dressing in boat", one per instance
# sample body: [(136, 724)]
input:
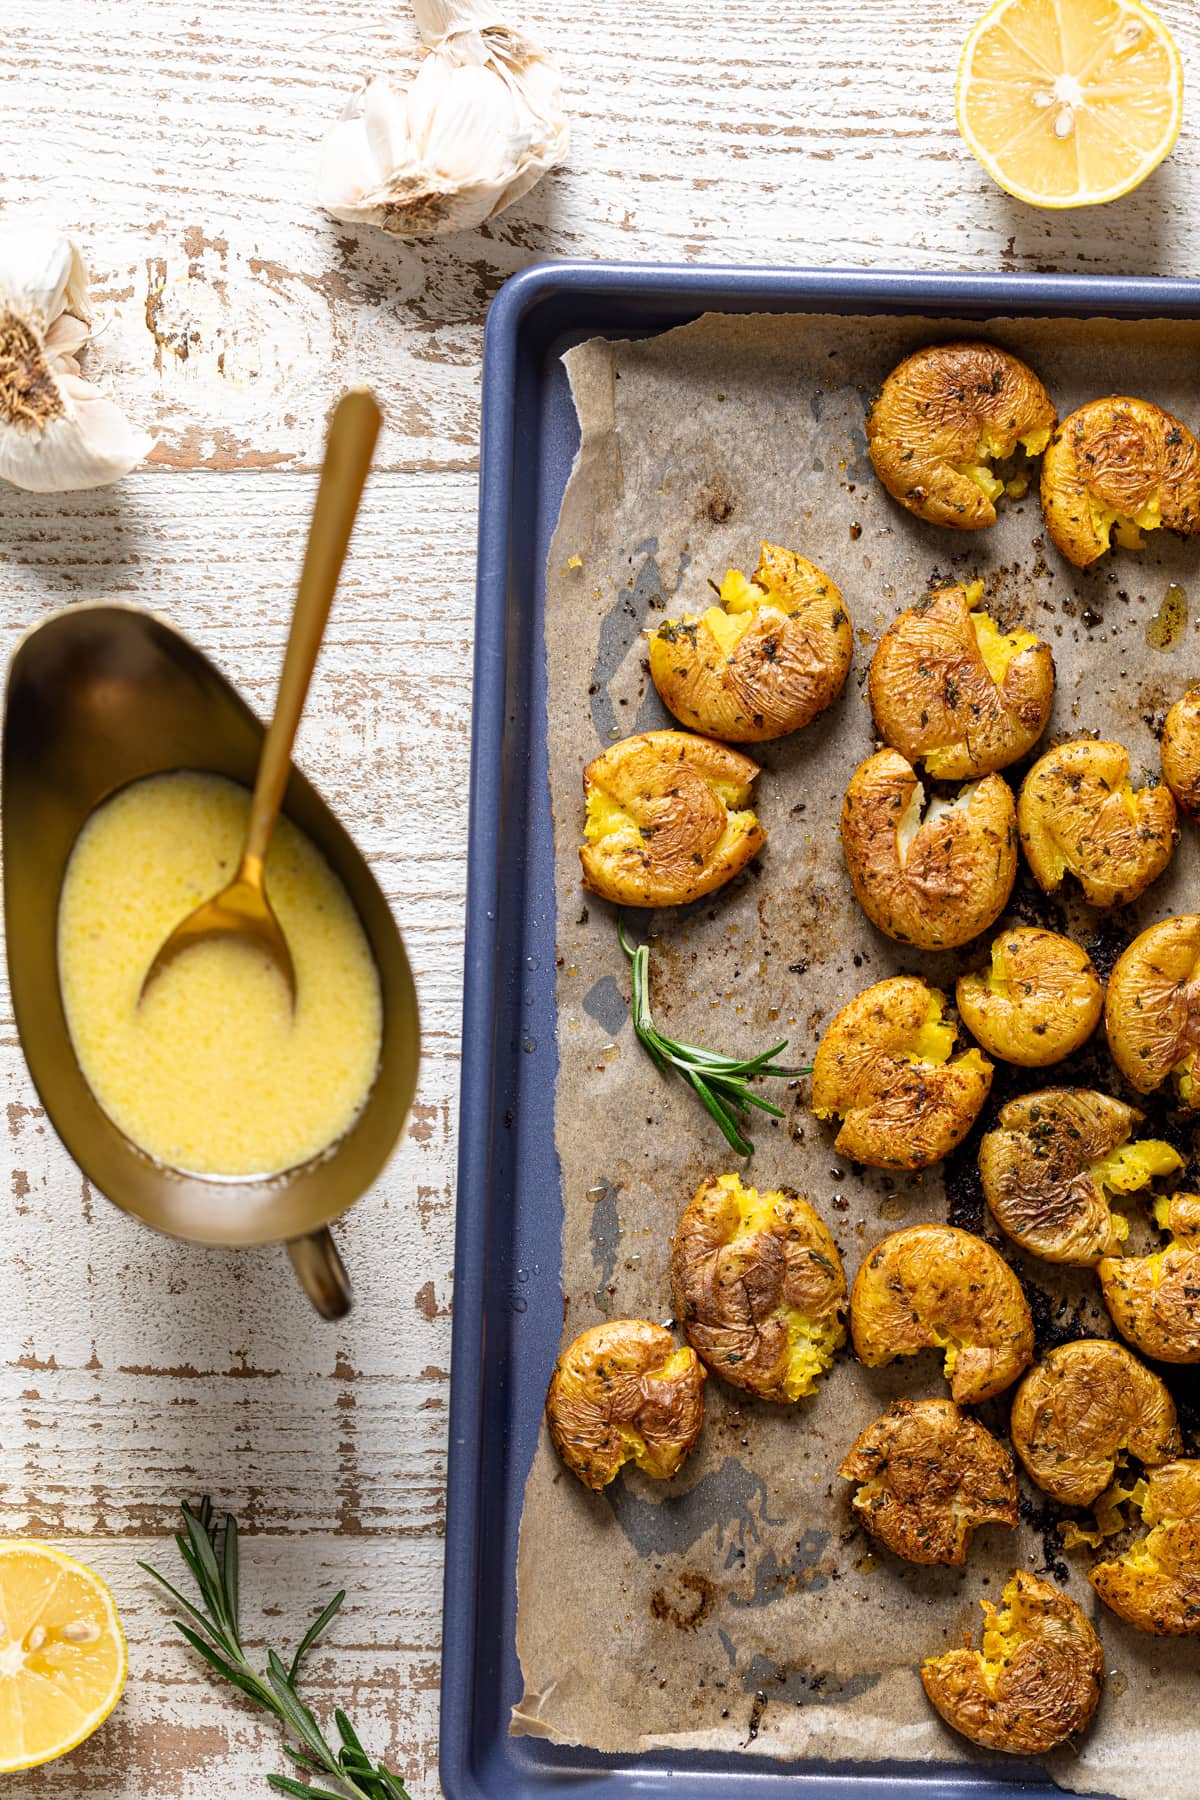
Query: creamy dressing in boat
[(213, 1073)]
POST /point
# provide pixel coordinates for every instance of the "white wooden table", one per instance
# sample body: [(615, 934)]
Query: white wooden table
[(177, 141)]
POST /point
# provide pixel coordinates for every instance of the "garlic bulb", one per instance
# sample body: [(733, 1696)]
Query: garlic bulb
[(479, 124), (57, 431)]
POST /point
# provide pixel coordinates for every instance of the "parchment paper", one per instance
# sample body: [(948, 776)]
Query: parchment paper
[(739, 1607)]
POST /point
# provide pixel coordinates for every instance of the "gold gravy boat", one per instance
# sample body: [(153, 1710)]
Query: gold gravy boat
[(99, 695)]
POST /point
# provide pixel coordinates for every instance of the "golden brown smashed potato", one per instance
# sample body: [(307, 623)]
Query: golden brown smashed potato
[(1036, 1680), (1051, 1165), (885, 1068), (928, 1476), (1116, 468), (1152, 1011), (940, 420), (625, 1392), (668, 819), (1155, 1585), (1038, 1001), (758, 1288), (1081, 1408), (950, 689), (1181, 752), (935, 1287), (935, 875), (1154, 1301), (766, 661), (1079, 814)]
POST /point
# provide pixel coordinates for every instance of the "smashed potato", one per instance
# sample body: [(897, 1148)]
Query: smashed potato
[(943, 417), (1036, 1680), (1081, 1408), (928, 1476), (1079, 814), (758, 1288), (625, 1392), (933, 875), (1053, 1162), (1038, 1001), (1152, 1011), (949, 688), (1154, 1301), (668, 819), (1155, 1585), (885, 1068), (1116, 468), (935, 1287), (1181, 752), (766, 661)]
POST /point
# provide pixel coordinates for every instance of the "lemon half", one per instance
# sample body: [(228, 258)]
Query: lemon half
[(62, 1653), (1069, 102)]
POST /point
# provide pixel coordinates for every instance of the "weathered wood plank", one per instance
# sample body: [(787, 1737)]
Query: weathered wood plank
[(179, 145), (181, 1733), (134, 1370), (183, 153)]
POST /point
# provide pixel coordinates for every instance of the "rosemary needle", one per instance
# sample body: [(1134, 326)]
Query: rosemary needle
[(211, 1555), (720, 1082)]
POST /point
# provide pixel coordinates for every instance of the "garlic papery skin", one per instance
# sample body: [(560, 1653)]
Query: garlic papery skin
[(58, 433), (481, 121)]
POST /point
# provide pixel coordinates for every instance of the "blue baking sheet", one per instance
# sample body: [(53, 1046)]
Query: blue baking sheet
[(507, 1299)]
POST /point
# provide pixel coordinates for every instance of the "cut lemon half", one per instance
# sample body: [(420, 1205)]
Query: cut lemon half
[(1069, 102), (62, 1653)]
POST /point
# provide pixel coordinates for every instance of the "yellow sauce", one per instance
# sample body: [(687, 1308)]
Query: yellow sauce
[(213, 1073)]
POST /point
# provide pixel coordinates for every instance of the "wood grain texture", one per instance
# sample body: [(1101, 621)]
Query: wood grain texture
[(179, 142)]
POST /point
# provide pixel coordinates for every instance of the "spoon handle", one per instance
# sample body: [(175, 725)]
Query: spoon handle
[(322, 1273), (348, 450)]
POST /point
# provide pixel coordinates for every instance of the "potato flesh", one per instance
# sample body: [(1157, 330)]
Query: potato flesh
[(1002, 1634), (999, 649), (637, 1450), (1108, 1513), (990, 449), (982, 476), (935, 1040), (1131, 1166), (604, 816), (1127, 528), (1004, 1631), (729, 622), (811, 1342)]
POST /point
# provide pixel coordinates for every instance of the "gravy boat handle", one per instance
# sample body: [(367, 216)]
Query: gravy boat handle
[(322, 1274)]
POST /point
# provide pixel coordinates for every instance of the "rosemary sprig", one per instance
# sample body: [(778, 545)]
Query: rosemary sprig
[(211, 1555), (721, 1082)]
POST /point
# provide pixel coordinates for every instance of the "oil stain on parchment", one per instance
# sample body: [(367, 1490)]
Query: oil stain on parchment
[(620, 630), (605, 1232), (605, 1003), (801, 1687), (805, 1570), (729, 1499)]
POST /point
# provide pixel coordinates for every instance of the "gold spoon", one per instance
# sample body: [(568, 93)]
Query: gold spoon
[(242, 909)]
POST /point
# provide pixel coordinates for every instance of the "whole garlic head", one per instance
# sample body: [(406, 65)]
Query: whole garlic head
[(479, 124), (57, 432)]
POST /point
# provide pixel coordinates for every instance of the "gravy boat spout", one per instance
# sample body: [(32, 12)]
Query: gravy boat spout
[(100, 695)]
